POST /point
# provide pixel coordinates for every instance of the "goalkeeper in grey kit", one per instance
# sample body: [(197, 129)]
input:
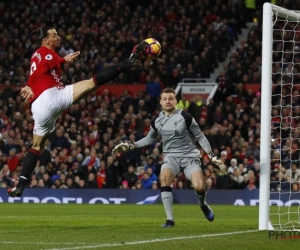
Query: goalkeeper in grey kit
[(177, 130)]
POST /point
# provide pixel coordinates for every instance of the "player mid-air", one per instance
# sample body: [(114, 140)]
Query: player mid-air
[(49, 97)]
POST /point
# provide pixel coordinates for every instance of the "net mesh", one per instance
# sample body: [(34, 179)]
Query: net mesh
[(285, 122)]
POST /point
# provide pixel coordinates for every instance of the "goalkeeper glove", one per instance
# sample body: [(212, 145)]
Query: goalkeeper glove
[(123, 147), (214, 159)]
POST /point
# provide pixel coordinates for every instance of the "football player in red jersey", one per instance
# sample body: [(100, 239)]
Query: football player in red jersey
[(49, 97)]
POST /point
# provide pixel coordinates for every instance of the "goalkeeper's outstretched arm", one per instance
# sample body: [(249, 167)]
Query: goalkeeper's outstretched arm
[(149, 139)]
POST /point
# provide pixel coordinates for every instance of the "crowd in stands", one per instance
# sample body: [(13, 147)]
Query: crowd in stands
[(195, 37)]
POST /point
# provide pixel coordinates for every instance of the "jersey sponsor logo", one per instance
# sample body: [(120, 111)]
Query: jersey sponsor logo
[(166, 132), (48, 57)]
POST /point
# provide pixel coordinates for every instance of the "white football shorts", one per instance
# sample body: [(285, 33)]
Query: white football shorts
[(48, 106), (187, 165)]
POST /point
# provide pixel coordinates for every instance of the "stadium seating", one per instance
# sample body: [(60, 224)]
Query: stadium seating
[(105, 32)]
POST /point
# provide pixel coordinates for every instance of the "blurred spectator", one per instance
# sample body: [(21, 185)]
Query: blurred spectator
[(112, 176), (70, 183), (125, 185), (12, 160), (183, 104), (101, 175), (153, 89), (91, 181), (59, 141), (154, 185), (45, 157), (293, 173), (91, 160), (222, 138), (253, 183), (233, 166), (238, 179), (224, 181), (130, 176), (81, 183), (153, 177), (150, 164), (41, 184), (138, 185), (295, 187), (47, 180), (146, 181)]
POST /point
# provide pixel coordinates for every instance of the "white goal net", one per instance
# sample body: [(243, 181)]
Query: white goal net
[(280, 125)]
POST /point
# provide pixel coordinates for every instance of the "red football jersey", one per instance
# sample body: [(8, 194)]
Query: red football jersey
[(45, 71)]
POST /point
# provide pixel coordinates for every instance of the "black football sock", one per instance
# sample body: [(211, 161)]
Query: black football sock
[(110, 73), (202, 197), (29, 164)]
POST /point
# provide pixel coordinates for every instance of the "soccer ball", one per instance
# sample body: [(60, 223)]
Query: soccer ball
[(153, 49)]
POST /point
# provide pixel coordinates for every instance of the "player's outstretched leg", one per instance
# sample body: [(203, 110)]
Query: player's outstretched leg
[(136, 53), (82, 88), (111, 72)]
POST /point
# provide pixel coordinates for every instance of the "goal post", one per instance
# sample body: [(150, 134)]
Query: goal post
[(265, 132), (277, 22)]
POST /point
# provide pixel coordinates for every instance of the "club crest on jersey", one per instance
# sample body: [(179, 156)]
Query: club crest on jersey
[(48, 57)]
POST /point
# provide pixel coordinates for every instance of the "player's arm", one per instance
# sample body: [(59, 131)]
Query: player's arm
[(149, 139), (70, 57), (204, 143), (26, 93), (62, 60)]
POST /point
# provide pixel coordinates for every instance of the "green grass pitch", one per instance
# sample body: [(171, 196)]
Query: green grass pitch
[(124, 227)]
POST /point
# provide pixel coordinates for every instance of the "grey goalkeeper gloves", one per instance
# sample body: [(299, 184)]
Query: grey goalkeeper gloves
[(214, 159), (123, 147)]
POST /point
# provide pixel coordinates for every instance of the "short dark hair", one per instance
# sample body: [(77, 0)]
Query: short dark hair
[(168, 90), (40, 33)]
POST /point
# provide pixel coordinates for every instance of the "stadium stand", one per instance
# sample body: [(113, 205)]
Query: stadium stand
[(195, 39)]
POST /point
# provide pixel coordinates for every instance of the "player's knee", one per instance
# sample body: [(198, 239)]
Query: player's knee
[(166, 179), (199, 187), (37, 147)]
